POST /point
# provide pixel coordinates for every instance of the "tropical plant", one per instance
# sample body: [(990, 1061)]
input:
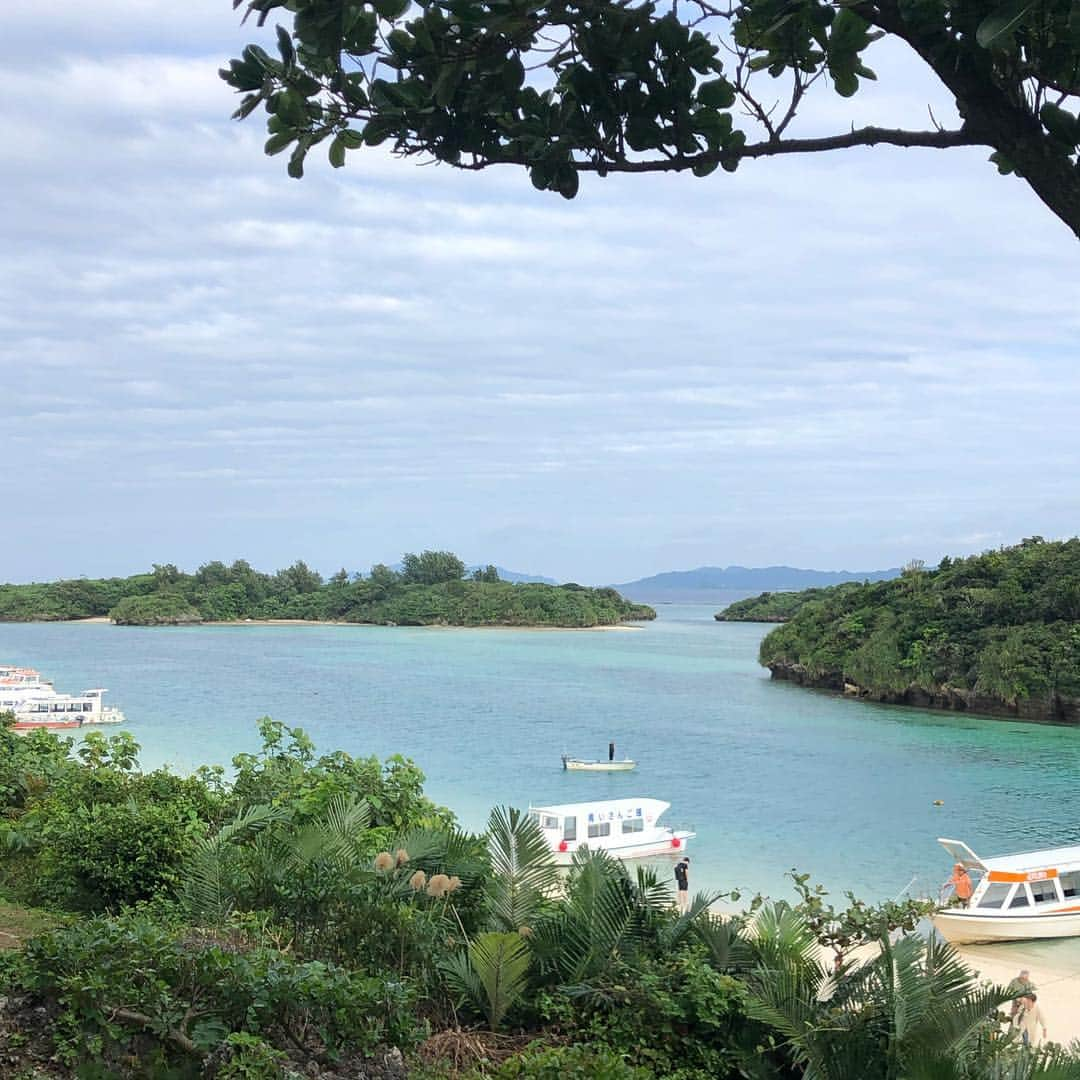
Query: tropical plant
[(523, 872), (607, 918), (492, 973), (210, 884), (911, 1010)]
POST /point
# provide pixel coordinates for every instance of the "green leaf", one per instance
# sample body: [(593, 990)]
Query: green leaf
[(337, 152), (846, 83), (391, 9), (1060, 123), (285, 46), (704, 168), (717, 94), (276, 143), (996, 29), (295, 167)]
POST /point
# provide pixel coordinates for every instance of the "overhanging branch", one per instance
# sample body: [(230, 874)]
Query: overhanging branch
[(866, 136)]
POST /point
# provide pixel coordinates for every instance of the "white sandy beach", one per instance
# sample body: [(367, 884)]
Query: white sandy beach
[(99, 619), (1055, 971)]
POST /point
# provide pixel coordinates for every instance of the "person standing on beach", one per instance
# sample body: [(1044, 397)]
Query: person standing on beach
[(1028, 1020), (682, 882), (961, 883), (611, 751), (1019, 988)]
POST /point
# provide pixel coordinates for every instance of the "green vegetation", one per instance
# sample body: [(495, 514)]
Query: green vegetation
[(773, 606), (619, 88), (997, 632), (431, 589), (319, 916)]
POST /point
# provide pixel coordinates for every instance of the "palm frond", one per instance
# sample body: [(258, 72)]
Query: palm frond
[(492, 974), (523, 870), (211, 871), (728, 950)]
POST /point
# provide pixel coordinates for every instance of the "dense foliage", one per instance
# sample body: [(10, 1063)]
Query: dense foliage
[(772, 606), (561, 87), (319, 916), (997, 631), (430, 589)]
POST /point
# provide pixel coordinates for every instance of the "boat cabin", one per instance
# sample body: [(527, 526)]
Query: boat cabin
[(1030, 895), (1026, 883)]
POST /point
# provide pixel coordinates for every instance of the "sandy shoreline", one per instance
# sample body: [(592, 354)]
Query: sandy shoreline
[(104, 619)]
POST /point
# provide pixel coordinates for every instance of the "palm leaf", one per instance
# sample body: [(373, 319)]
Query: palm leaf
[(211, 872), (492, 974), (523, 870)]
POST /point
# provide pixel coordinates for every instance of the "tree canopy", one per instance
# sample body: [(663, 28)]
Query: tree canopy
[(997, 632), (429, 590), (562, 87)]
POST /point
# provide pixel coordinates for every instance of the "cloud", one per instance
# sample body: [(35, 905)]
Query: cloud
[(844, 360)]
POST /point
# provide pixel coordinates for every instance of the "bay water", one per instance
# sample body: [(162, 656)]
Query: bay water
[(771, 776)]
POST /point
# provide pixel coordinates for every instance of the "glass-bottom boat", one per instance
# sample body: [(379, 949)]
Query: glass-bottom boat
[(1033, 894), (624, 828)]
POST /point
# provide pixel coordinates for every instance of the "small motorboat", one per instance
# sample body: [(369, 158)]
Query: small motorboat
[(581, 765), (1035, 894)]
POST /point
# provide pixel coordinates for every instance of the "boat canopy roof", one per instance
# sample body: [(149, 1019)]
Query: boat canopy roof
[(625, 807), (1023, 862)]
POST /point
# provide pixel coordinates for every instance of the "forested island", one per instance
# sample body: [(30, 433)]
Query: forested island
[(773, 606), (319, 917), (429, 589), (996, 633)]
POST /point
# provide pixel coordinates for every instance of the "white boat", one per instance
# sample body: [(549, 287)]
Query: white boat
[(36, 704), (582, 765), (625, 828), (1033, 894)]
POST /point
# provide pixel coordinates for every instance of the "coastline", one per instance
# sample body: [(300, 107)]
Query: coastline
[(105, 620)]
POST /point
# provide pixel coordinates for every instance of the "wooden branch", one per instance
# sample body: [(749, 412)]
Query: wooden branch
[(142, 1020), (867, 136)]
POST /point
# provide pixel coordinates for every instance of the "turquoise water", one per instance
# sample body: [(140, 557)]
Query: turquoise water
[(771, 776)]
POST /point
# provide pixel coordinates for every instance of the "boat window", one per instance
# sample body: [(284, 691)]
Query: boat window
[(569, 830), (1021, 898), (599, 828), (1044, 892), (1070, 884), (995, 895), (633, 825), (550, 822)]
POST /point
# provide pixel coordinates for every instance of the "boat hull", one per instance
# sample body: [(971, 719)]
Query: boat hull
[(46, 725), (973, 928), (672, 844), (577, 765)]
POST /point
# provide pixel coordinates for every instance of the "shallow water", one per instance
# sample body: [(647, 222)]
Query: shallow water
[(770, 775)]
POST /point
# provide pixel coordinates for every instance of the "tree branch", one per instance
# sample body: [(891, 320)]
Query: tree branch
[(866, 136)]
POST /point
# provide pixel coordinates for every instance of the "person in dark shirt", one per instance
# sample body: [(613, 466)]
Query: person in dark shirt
[(682, 882), (611, 751)]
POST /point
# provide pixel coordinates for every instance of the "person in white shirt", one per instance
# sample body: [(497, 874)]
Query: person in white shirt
[(1028, 1019)]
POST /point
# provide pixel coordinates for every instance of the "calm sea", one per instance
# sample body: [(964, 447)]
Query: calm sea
[(771, 776)]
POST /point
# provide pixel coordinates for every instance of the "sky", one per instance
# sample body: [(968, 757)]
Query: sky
[(843, 361)]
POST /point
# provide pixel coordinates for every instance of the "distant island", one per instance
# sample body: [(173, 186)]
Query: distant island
[(716, 584), (996, 633), (774, 606), (429, 589)]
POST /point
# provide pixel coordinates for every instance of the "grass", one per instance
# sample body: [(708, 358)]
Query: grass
[(18, 924)]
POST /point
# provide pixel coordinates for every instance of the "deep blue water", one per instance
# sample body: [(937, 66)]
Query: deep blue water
[(770, 775)]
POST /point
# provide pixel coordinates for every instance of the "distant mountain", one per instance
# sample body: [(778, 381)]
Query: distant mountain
[(514, 576), (724, 584)]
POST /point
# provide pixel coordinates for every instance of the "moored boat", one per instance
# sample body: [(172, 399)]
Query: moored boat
[(583, 765), (1029, 895), (36, 704), (624, 828)]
